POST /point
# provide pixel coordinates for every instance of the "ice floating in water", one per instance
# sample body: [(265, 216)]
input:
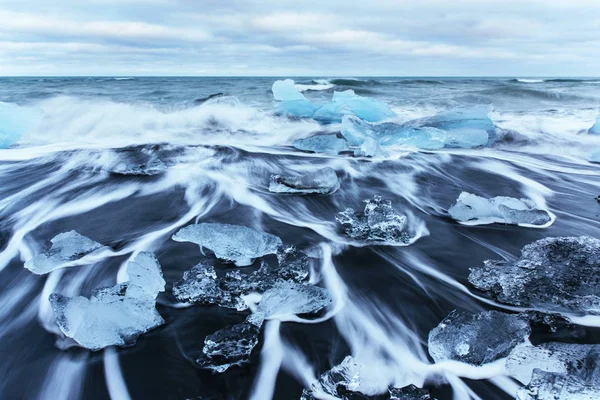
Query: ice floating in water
[(288, 298), (201, 285), (551, 386), (322, 181), (595, 129), (228, 347), (554, 274), (378, 222), (349, 103), (15, 121), (66, 248), (154, 166), (475, 210), (462, 123), (582, 360), (292, 102), (477, 338), (286, 91), (238, 244), (114, 316), (328, 144), (350, 381)]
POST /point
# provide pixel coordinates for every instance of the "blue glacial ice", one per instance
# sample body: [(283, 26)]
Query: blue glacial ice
[(228, 347), (66, 248), (595, 129), (473, 122), (553, 386), (328, 144), (349, 103), (15, 121), (477, 339), (471, 209), (594, 155), (321, 181), (114, 316), (286, 91), (292, 102), (234, 243)]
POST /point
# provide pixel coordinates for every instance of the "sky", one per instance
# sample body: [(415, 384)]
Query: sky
[(300, 37)]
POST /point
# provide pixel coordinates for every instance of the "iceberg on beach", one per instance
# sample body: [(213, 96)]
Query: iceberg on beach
[(15, 121), (66, 247), (321, 181), (286, 91), (328, 144), (477, 338), (228, 347), (595, 129), (551, 386), (292, 102), (114, 316), (475, 210), (594, 155), (552, 274), (378, 222), (349, 103), (235, 243), (459, 123)]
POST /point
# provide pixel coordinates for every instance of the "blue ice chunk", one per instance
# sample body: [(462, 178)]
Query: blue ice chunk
[(595, 129), (15, 121), (465, 122), (329, 144), (349, 103), (286, 91), (594, 155), (296, 108)]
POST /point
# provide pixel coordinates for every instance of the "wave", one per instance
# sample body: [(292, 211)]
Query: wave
[(354, 82), (527, 80), (527, 92)]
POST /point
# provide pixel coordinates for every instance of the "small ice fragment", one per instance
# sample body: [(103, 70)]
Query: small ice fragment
[(552, 386), (66, 248), (113, 316), (378, 222), (595, 129), (328, 144), (321, 181), (199, 285), (229, 347), (286, 91), (288, 298), (238, 244), (553, 274), (293, 264), (477, 338), (410, 392), (153, 166), (16, 121), (582, 360), (473, 209), (349, 103)]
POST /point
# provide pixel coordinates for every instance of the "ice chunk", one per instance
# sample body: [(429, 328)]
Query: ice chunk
[(229, 347), (475, 210), (551, 386), (66, 248), (201, 285), (410, 392), (286, 91), (328, 144), (595, 129), (582, 360), (321, 181), (349, 103), (594, 155), (288, 298), (477, 338), (296, 108), (113, 316), (153, 166), (15, 121), (553, 274), (465, 122), (378, 222), (238, 244)]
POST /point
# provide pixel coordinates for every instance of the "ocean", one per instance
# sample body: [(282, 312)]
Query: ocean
[(219, 141)]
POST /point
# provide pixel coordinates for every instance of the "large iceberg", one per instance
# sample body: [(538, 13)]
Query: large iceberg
[(321, 181), (554, 274), (552, 386), (475, 210), (289, 298), (328, 144), (477, 338), (114, 316), (66, 247), (15, 121), (351, 381), (378, 222), (238, 244), (595, 129), (582, 360), (228, 347), (349, 103), (201, 285)]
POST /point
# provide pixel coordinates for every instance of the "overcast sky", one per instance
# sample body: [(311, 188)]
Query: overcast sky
[(300, 37)]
